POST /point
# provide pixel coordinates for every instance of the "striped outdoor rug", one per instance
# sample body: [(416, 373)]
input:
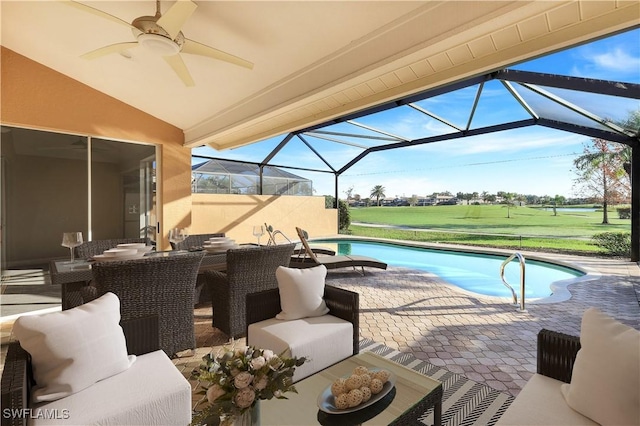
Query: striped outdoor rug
[(464, 402)]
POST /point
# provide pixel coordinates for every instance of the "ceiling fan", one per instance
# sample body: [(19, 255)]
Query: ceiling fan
[(162, 34)]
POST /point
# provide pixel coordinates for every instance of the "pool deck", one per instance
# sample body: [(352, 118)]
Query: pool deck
[(485, 338)]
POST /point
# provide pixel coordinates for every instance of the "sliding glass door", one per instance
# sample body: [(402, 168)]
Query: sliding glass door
[(54, 183)]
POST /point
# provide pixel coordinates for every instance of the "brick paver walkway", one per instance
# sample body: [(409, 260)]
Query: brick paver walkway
[(486, 339)]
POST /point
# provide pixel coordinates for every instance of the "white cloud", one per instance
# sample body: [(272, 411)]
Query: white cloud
[(617, 60)]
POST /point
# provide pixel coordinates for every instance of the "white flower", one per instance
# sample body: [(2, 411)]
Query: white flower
[(241, 350), (245, 397), (267, 354), (242, 380), (258, 363), (214, 392)]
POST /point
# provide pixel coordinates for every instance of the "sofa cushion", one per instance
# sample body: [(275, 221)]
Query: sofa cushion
[(301, 292), (323, 340), (605, 382), (540, 402), (151, 392), (73, 349)]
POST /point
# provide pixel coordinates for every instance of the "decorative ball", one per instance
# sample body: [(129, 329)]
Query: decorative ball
[(338, 387), (366, 380), (360, 370), (354, 397), (342, 401), (375, 386), (354, 382), (382, 375), (366, 393)]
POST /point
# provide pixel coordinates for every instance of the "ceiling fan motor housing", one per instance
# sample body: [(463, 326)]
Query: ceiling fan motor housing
[(154, 37)]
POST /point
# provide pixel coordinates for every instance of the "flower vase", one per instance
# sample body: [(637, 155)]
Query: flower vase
[(250, 417)]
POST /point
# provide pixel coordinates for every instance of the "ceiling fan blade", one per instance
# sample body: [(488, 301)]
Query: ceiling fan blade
[(97, 12), (178, 65), (196, 48), (174, 18), (107, 50)]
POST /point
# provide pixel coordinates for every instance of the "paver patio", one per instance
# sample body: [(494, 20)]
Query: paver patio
[(486, 339)]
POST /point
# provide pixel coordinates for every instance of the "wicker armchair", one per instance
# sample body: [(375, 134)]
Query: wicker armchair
[(160, 286), (344, 304), (249, 269), (557, 354), (17, 377), (194, 241), (89, 249)]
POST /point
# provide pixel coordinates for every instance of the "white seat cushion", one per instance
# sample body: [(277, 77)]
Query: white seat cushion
[(151, 392), (323, 340), (541, 403)]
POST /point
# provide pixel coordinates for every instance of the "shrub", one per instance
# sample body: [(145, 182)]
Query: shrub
[(344, 217), (624, 212), (614, 243)]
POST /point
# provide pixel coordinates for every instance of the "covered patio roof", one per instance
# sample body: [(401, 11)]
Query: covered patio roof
[(590, 107)]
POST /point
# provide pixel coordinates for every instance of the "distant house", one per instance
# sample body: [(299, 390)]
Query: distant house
[(219, 176)]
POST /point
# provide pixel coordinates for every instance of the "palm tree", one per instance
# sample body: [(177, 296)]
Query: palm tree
[(377, 192)]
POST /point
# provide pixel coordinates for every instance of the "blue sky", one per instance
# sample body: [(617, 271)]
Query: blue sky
[(533, 160)]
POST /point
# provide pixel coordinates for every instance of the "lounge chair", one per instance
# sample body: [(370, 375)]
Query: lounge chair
[(310, 258), (299, 250)]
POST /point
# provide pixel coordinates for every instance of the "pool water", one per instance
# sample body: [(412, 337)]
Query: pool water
[(475, 272)]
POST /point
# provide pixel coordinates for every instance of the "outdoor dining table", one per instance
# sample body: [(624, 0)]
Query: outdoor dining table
[(73, 276)]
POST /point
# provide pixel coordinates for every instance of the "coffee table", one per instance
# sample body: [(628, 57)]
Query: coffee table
[(414, 393)]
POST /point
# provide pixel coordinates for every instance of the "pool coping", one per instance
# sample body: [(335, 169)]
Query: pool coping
[(559, 288)]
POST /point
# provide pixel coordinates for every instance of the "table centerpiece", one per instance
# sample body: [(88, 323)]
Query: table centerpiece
[(238, 378)]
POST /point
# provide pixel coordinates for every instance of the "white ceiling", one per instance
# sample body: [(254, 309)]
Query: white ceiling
[(314, 60)]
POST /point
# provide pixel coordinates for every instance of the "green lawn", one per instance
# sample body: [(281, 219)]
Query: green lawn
[(488, 225)]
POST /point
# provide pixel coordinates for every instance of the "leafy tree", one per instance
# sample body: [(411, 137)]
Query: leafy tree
[(557, 200), (601, 174), (349, 193), (329, 201), (508, 198), (413, 200), (377, 192)]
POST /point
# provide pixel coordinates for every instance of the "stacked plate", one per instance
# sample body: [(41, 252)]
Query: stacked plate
[(124, 252), (219, 244)]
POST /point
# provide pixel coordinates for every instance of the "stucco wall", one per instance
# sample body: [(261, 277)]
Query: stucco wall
[(34, 96), (235, 215)]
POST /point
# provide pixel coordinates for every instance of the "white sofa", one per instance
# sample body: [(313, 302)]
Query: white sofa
[(83, 366), (591, 380)]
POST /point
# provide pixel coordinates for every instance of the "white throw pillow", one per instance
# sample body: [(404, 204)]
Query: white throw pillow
[(73, 349), (301, 292), (605, 383)]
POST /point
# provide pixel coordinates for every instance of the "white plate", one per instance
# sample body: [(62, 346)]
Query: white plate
[(120, 252), (103, 258), (219, 243), (137, 246), (215, 239), (326, 398), (220, 249)]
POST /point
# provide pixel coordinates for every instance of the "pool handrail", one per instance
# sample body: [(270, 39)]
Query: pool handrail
[(521, 260)]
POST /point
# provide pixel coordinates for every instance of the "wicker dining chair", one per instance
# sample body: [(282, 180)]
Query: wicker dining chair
[(194, 241), (249, 269), (89, 249), (161, 285)]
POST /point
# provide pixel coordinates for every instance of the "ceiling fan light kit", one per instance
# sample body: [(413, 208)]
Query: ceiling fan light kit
[(158, 44), (162, 35)]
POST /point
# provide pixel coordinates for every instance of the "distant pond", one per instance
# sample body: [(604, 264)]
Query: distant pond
[(568, 209)]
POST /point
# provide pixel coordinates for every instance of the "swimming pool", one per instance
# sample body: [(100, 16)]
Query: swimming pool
[(475, 272)]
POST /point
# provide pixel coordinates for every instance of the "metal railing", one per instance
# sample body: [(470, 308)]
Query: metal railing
[(522, 278)]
